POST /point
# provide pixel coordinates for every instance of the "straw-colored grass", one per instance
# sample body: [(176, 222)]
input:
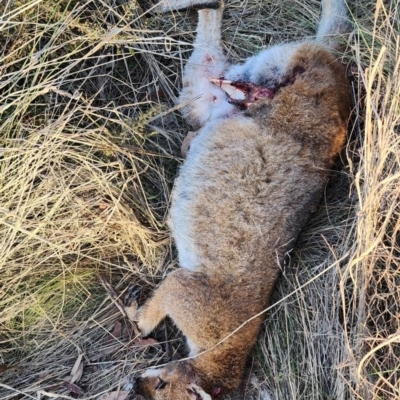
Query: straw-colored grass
[(90, 139)]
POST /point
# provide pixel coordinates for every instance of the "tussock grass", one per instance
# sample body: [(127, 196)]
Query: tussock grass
[(89, 150)]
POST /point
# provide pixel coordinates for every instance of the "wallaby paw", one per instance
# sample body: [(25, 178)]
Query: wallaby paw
[(129, 306), (130, 303)]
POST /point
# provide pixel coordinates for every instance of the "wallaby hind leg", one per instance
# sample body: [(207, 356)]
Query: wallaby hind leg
[(334, 21), (204, 100)]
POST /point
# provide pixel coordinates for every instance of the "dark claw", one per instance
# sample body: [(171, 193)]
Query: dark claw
[(136, 384), (131, 295)]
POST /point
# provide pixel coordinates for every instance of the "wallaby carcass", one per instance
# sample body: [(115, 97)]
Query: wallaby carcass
[(267, 133)]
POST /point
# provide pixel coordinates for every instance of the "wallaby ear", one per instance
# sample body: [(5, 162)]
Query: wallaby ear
[(197, 393)]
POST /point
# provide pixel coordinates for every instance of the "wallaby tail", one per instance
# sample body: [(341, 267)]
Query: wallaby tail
[(334, 21)]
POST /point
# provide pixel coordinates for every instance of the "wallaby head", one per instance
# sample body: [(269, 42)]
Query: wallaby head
[(177, 381)]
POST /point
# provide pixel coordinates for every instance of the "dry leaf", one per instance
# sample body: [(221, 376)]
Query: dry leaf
[(56, 386), (116, 332), (76, 365), (4, 368), (120, 395), (77, 370), (73, 388), (147, 342), (106, 350), (103, 206)]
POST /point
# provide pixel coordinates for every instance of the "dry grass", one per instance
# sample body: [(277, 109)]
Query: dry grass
[(89, 150)]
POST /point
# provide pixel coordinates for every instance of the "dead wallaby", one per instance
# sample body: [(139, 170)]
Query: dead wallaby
[(267, 133)]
